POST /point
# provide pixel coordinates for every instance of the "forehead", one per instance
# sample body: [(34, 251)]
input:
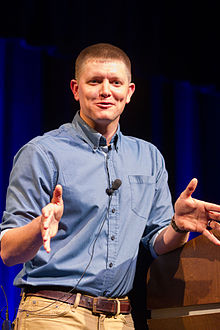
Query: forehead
[(104, 67)]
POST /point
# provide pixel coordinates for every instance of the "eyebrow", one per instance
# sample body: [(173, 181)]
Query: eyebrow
[(97, 75)]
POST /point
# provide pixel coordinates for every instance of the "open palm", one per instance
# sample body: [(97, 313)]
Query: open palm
[(195, 215), (51, 215)]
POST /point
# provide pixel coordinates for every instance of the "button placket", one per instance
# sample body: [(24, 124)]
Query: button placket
[(112, 225)]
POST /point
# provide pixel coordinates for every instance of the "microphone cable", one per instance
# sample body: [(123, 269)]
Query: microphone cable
[(115, 185), (6, 323)]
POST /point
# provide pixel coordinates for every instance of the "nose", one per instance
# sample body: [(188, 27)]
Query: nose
[(105, 90)]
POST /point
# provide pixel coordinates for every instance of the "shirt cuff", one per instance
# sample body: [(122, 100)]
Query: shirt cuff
[(3, 233), (152, 242)]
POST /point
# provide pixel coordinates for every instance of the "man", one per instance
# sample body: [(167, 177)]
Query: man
[(80, 200)]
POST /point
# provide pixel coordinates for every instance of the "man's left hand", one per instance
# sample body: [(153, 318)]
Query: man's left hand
[(194, 215)]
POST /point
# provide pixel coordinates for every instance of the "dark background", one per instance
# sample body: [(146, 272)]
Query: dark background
[(174, 49)]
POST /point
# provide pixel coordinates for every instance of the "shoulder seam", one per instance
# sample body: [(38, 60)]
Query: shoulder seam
[(41, 148)]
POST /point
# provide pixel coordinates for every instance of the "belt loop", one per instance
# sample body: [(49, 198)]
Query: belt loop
[(118, 307), (23, 296), (77, 300)]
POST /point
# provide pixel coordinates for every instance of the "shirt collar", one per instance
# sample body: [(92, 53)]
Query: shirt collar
[(92, 137)]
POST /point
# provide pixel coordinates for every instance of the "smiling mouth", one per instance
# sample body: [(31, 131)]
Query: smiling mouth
[(104, 104)]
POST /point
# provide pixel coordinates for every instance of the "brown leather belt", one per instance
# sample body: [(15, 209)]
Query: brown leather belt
[(100, 305)]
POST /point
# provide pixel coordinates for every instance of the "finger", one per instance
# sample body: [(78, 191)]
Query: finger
[(46, 222), (57, 195), (214, 225), (208, 234), (47, 213), (212, 207), (190, 188), (47, 245), (214, 215), (46, 239)]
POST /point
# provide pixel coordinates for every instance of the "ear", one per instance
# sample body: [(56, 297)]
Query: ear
[(74, 88), (131, 90)]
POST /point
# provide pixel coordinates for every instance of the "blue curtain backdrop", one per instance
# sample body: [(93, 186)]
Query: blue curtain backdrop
[(20, 120), (181, 118)]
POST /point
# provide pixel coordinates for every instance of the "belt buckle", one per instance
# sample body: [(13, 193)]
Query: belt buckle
[(94, 305), (95, 311), (116, 304)]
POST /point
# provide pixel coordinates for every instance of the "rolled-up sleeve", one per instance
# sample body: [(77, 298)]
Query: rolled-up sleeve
[(161, 210), (30, 187)]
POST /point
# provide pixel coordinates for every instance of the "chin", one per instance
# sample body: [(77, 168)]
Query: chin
[(103, 120), (105, 116)]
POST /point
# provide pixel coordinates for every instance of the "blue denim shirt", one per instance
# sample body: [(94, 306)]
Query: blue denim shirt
[(77, 157)]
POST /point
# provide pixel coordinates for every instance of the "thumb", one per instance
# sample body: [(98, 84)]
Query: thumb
[(189, 189), (57, 195)]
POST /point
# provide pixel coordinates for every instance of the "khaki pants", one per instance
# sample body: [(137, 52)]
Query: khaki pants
[(36, 313)]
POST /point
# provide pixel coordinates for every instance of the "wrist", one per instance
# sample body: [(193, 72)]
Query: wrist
[(176, 228)]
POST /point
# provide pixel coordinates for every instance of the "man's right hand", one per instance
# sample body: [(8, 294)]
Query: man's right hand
[(51, 215)]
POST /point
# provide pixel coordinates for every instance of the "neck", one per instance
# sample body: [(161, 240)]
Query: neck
[(107, 131), (106, 128)]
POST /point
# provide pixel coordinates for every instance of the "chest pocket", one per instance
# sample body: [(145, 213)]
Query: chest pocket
[(142, 194)]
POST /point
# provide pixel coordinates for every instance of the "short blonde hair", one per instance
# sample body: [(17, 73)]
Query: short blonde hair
[(101, 51)]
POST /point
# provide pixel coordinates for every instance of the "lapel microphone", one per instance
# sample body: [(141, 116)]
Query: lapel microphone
[(115, 185)]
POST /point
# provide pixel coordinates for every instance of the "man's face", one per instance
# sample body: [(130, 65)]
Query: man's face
[(103, 89)]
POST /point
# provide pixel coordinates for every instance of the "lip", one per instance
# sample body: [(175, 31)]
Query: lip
[(104, 104)]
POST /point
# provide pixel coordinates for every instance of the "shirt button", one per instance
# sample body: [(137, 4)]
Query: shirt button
[(112, 237), (113, 210), (111, 265)]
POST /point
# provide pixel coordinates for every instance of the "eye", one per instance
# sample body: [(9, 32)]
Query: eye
[(117, 83), (93, 81)]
